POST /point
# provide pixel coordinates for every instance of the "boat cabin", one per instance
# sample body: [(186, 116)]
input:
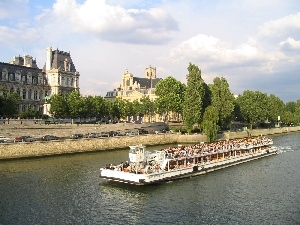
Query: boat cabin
[(137, 153)]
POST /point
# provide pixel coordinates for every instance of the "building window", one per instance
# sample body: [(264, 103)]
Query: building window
[(18, 76), (24, 93), (23, 79), (4, 74), (30, 94), (29, 78), (19, 92), (35, 96)]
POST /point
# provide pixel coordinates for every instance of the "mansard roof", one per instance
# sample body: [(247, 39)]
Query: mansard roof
[(58, 60), (146, 82)]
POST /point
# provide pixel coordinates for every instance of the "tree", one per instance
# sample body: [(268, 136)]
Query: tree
[(297, 111), (9, 103), (117, 108), (193, 106), (59, 105), (276, 108), (209, 124), (77, 104), (170, 94), (223, 101), (99, 107), (253, 106), (147, 107)]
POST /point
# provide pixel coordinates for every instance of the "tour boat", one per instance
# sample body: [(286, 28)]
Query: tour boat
[(145, 167)]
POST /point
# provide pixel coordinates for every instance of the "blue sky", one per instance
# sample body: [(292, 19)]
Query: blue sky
[(254, 44)]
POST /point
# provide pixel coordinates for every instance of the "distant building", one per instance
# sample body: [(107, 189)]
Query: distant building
[(132, 88), (135, 88), (35, 85)]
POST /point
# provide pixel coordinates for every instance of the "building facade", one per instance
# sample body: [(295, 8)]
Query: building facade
[(135, 88), (132, 88), (35, 85)]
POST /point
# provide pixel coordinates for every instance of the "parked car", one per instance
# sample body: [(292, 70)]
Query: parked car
[(76, 136), (92, 135), (103, 134), (130, 133), (24, 139), (49, 138), (143, 131), (4, 139)]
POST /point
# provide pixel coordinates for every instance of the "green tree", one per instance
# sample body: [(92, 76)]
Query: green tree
[(9, 103), (209, 124), (59, 105), (117, 108), (223, 100), (288, 118), (193, 106), (147, 107), (100, 107), (297, 112), (170, 94), (136, 108), (276, 108), (290, 106), (253, 106), (77, 104)]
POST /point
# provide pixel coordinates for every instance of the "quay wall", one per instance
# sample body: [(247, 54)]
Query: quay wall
[(24, 149)]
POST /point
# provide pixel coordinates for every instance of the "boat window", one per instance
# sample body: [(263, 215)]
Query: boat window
[(132, 150)]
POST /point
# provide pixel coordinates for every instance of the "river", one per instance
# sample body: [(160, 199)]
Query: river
[(67, 190)]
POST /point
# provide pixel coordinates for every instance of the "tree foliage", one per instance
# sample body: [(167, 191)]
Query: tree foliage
[(223, 100), (193, 106), (275, 108), (209, 124), (9, 103), (170, 94), (147, 108), (77, 105), (58, 105), (253, 106)]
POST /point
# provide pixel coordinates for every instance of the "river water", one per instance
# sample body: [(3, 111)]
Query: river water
[(67, 190)]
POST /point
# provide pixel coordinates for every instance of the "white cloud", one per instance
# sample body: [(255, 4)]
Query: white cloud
[(117, 24), (212, 52), (290, 45), (10, 36), (276, 30)]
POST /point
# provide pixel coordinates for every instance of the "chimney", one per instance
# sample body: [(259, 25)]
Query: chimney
[(49, 58)]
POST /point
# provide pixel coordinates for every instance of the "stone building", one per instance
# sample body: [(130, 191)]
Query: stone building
[(35, 85), (132, 88), (135, 88)]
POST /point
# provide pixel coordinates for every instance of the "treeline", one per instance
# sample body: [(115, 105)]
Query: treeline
[(206, 107)]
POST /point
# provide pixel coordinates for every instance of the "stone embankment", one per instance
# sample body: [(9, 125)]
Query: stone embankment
[(23, 149)]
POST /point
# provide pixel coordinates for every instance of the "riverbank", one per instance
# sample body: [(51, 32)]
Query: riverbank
[(24, 150)]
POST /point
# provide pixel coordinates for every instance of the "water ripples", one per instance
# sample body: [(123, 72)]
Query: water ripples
[(68, 190)]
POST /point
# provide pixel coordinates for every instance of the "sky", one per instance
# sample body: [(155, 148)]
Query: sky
[(253, 44)]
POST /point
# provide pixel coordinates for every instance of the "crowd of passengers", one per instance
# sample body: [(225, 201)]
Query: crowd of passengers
[(203, 148)]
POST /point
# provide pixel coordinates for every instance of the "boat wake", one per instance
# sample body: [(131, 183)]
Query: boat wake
[(283, 149)]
